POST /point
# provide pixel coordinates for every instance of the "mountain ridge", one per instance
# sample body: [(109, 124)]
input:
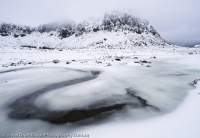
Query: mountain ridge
[(123, 24)]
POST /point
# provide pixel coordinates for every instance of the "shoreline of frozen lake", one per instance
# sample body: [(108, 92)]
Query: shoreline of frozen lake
[(138, 79)]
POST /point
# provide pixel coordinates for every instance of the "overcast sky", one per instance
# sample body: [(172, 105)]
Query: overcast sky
[(175, 20)]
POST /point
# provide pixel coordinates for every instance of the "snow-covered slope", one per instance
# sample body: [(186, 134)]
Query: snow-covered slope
[(94, 39), (113, 31)]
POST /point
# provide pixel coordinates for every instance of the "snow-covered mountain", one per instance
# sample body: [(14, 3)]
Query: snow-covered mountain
[(113, 31)]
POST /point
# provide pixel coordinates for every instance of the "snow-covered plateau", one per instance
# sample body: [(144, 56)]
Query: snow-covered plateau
[(100, 84)]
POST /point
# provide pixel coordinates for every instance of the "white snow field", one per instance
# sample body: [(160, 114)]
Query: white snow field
[(98, 91)]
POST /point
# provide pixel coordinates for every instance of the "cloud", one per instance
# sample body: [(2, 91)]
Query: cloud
[(176, 20)]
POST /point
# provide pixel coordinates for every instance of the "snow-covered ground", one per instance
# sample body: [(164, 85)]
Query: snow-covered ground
[(103, 39), (142, 92)]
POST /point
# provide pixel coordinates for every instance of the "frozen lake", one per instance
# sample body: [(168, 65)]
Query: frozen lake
[(58, 99)]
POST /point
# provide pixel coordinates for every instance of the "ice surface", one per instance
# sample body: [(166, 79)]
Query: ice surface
[(153, 91)]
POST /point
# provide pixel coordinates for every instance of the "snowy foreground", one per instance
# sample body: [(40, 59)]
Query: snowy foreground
[(146, 92)]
